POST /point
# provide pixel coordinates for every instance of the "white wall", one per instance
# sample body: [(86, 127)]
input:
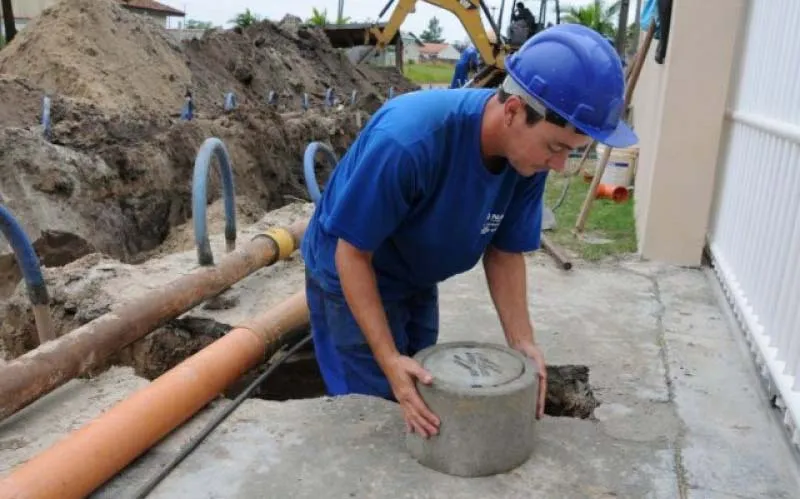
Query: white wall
[(449, 54), (30, 8), (679, 109)]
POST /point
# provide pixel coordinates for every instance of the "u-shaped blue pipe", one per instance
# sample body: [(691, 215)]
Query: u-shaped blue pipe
[(28, 262), (308, 167), (212, 146)]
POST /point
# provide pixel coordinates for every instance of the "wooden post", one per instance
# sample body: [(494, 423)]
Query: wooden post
[(601, 165), (398, 53)]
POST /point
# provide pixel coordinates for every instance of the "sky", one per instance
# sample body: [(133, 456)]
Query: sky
[(220, 12)]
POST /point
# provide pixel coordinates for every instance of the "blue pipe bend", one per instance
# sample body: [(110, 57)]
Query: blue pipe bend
[(26, 257), (212, 146), (308, 167)]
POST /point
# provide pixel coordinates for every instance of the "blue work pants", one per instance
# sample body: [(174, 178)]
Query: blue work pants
[(345, 358)]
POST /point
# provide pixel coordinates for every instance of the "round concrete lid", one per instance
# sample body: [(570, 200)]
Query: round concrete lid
[(473, 365)]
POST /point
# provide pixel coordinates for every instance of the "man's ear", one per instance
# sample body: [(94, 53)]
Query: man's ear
[(510, 109)]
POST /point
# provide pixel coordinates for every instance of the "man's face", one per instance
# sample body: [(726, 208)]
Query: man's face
[(535, 148)]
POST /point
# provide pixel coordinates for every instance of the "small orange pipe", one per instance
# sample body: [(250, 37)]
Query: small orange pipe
[(91, 455), (617, 193)]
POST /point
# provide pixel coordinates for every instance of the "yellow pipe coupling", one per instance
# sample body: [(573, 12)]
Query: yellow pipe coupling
[(283, 240)]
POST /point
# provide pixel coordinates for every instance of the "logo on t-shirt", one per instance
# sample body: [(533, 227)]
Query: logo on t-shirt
[(492, 222)]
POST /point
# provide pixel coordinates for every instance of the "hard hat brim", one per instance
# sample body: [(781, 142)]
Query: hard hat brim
[(622, 136)]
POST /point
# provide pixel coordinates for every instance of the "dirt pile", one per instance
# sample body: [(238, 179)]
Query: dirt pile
[(97, 50), (122, 61), (286, 58), (20, 102)]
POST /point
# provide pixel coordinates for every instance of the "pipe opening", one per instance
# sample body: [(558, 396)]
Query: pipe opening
[(569, 392), (297, 378)]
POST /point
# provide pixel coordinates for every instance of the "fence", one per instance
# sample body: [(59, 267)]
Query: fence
[(754, 237)]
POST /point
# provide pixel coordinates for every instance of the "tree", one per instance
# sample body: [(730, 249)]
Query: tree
[(434, 32), (597, 15), (320, 18), (195, 24), (245, 19)]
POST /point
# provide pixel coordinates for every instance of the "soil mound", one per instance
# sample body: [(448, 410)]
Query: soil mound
[(120, 60), (97, 50), (20, 102)]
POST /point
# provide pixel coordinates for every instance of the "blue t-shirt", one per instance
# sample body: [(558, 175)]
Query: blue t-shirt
[(413, 189)]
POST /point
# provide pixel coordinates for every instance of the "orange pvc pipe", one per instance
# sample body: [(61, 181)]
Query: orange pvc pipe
[(91, 455), (617, 193)]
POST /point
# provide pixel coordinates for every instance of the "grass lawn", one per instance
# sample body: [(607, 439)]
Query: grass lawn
[(421, 73), (607, 220)]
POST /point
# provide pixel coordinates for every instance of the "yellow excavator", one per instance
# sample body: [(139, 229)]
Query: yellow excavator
[(490, 45)]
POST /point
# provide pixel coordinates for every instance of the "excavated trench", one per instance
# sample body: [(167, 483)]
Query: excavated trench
[(118, 184), (569, 392)]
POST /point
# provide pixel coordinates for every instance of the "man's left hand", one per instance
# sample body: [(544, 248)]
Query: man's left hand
[(533, 351)]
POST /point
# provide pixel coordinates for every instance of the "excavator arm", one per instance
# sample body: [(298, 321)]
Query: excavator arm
[(467, 11)]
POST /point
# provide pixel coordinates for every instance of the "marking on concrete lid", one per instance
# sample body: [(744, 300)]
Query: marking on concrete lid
[(474, 366)]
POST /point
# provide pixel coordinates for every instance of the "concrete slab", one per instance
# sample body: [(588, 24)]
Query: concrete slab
[(353, 447), (682, 414)]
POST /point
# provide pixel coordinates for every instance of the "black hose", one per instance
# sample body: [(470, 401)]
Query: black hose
[(563, 195), (569, 176), (192, 445)]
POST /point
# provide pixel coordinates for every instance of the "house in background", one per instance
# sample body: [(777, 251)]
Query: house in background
[(411, 52), (26, 10), (411, 47), (439, 52), (158, 11)]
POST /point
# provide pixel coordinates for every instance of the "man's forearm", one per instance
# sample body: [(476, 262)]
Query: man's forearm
[(506, 277), (361, 292)]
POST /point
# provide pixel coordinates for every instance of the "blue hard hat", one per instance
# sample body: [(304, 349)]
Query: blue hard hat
[(573, 71)]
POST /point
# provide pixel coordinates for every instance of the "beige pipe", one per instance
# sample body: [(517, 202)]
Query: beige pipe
[(26, 378), (91, 455)]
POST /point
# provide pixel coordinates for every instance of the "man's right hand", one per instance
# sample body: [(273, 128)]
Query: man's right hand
[(401, 371)]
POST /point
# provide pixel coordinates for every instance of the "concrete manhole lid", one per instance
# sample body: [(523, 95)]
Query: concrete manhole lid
[(473, 366)]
